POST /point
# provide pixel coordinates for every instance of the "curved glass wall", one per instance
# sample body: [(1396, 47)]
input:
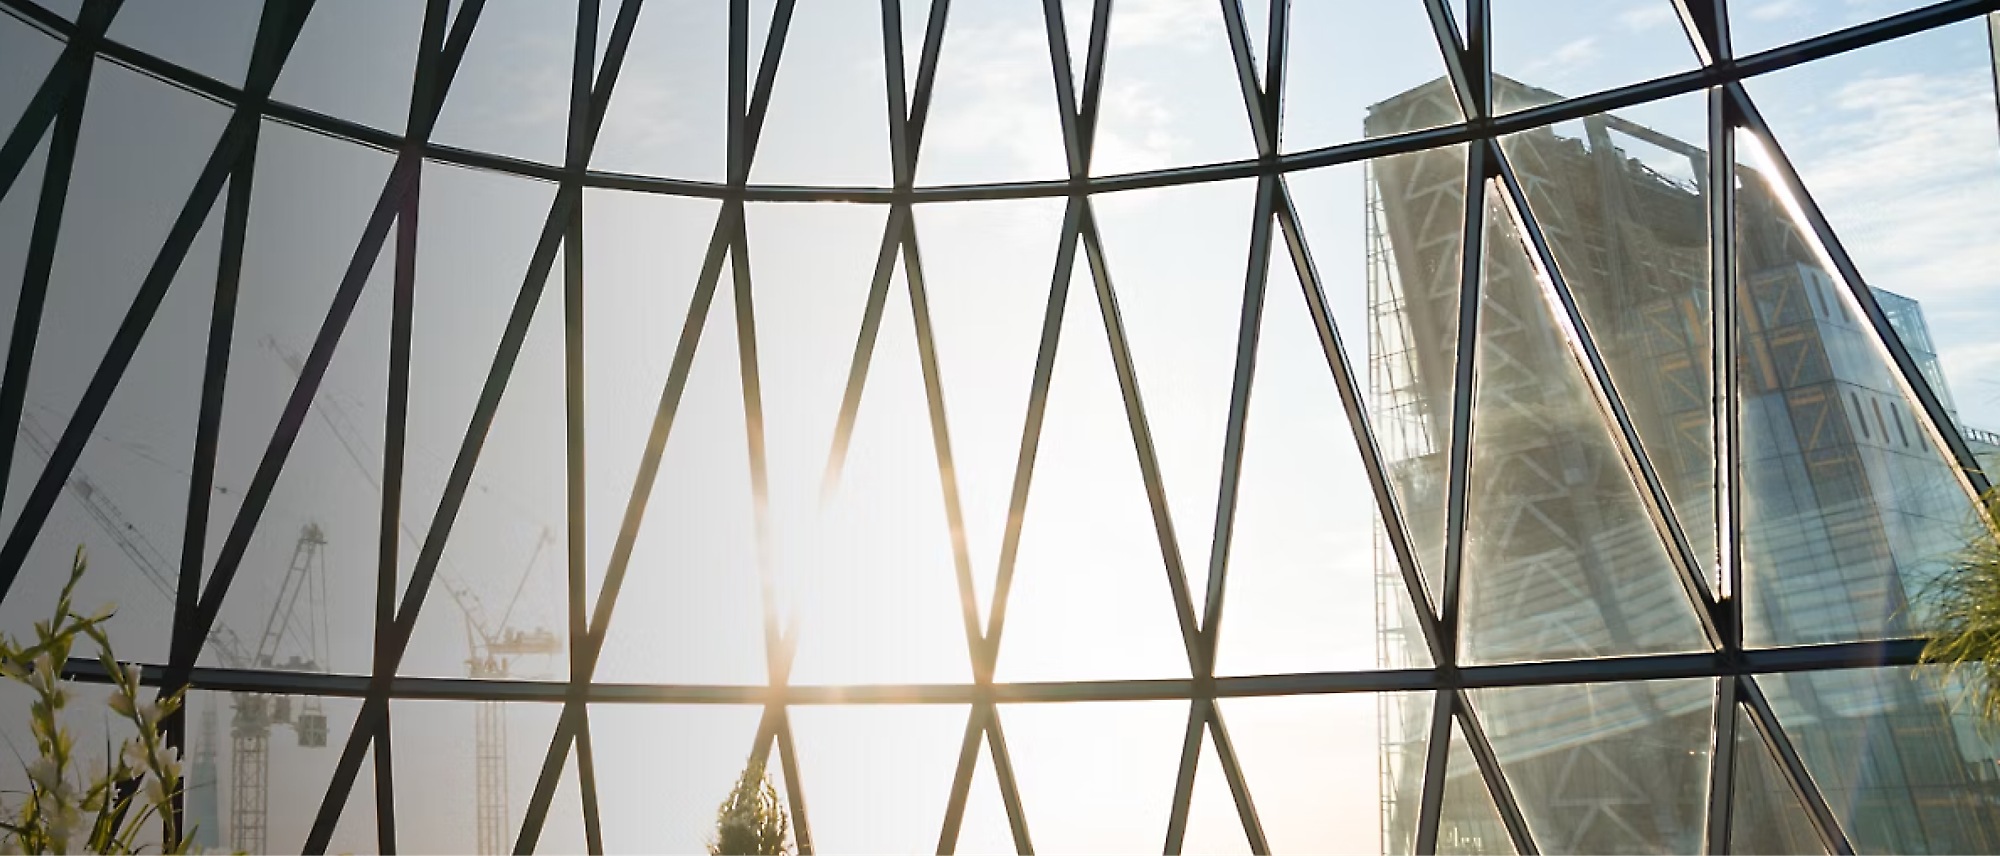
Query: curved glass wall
[(509, 420)]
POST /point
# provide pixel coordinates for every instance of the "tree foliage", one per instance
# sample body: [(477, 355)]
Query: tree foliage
[(1964, 619), (751, 821)]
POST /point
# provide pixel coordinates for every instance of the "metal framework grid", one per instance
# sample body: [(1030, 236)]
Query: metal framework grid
[(58, 103)]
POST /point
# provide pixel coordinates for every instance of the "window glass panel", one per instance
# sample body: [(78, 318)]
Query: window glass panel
[(829, 111), (994, 114), (1213, 825), (1177, 260), (358, 61), (1768, 817), (512, 91), (1764, 24), (1561, 559), (985, 830), (1576, 47), (1171, 96), (294, 743), (669, 112), (1332, 773), (1841, 529), (1896, 145), (1469, 819), (1412, 223), (1310, 589), (877, 776), (664, 771), (27, 56), (1605, 768), (1624, 209), (1902, 769), (212, 37), (17, 224), (1096, 777), (1090, 596), (1354, 72), (466, 770)]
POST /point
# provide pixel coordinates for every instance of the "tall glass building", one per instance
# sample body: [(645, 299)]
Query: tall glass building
[(1094, 426)]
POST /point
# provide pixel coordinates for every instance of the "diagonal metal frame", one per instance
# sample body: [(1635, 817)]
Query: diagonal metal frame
[(1735, 111)]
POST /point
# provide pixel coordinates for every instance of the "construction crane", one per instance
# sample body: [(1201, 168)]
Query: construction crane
[(491, 648), (296, 631)]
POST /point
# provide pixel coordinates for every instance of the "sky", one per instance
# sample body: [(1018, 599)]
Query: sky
[(1897, 142)]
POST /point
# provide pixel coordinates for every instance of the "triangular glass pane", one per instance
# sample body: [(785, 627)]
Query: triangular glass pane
[(1078, 16), (141, 147), (1177, 260), (1403, 317), (1563, 49), (669, 112), (1090, 595), (465, 771), (663, 771), (1338, 773), (310, 205), (1894, 143), (1845, 519), (1354, 71), (357, 62), (985, 829), (987, 268), (880, 602), (1096, 777), (299, 740), (563, 830), (512, 91), (214, 40), (916, 19), (1764, 25), (994, 115), (1171, 96), (759, 34), (1901, 768), (498, 604), (642, 257), (1213, 825), (693, 581), (476, 238), (26, 54), (1257, 27), (1562, 561), (1625, 212), (1767, 815), (1310, 589), (865, 799), (1469, 821), (126, 497), (811, 268), (829, 112), (1605, 768)]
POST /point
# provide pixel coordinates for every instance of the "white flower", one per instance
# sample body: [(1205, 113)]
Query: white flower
[(156, 791), (121, 704), (134, 754), (132, 676), (44, 774), (45, 677), (149, 714)]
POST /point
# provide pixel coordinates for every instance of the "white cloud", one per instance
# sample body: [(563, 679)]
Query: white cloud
[(1643, 18), (1776, 9)]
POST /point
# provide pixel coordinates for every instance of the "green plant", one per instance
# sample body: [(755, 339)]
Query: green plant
[(751, 821), (1964, 621), (105, 809)]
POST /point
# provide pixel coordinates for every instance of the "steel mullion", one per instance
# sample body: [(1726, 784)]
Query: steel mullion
[(1437, 755), (864, 349), (1993, 48), (1831, 835), (395, 432), (1721, 769), (1010, 792), (1493, 776), (1934, 419), (1093, 79), (1276, 40), (1388, 508), (927, 63), (1177, 817), (1561, 303), (1706, 23), (39, 266), (901, 164), (961, 778), (1059, 67), (1464, 376), (1261, 124), (66, 78), (1232, 772), (583, 68), (1722, 344)]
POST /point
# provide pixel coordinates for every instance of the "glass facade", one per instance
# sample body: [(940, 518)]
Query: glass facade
[(510, 420)]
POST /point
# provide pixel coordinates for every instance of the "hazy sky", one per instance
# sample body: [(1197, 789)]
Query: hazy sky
[(1898, 143)]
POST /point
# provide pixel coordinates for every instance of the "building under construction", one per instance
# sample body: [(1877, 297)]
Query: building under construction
[(1847, 509)]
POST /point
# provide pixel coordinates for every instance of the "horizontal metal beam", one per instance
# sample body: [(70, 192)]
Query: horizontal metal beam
[(1846, 655), (1765, 62)]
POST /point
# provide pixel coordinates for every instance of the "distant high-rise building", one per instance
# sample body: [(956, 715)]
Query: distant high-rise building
[(1847, 510)]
